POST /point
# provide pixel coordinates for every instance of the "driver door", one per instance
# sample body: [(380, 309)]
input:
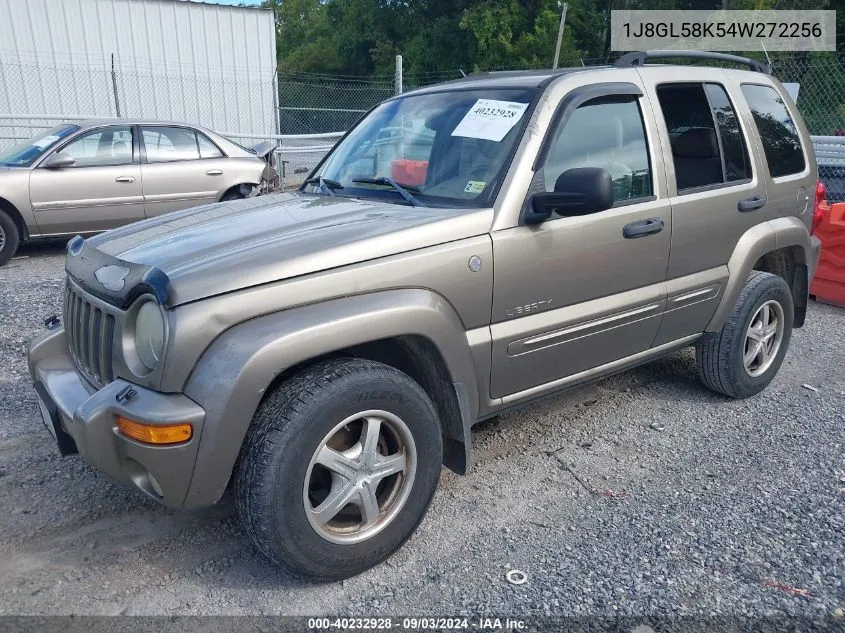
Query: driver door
[(101, 190), (574, 293)]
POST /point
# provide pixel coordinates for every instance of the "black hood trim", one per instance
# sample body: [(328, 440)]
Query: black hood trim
[(84, 261)]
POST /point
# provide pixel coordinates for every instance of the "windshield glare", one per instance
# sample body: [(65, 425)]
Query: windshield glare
[(26, 153), (448, 148)]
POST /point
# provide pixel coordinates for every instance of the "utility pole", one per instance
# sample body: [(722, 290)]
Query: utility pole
[(114, 87), (560, 32)]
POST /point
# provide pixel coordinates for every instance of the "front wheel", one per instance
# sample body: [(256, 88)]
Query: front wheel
[(339, 467), (238, 193), (745, 355), (9, 237)]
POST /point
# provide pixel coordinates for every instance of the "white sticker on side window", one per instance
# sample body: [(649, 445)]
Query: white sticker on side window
[(490, 119), (45, 142)]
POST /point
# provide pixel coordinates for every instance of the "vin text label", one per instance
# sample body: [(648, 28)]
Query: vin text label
[(723, 30)]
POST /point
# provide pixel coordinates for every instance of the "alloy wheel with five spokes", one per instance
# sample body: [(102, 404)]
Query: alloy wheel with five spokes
[(742, 358), (763, 338), (339, 467), (359, 477)]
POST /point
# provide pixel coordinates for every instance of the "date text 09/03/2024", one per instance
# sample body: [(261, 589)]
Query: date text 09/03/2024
[(417, 624)]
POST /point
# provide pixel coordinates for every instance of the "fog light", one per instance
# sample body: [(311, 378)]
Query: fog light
[(154, 433)]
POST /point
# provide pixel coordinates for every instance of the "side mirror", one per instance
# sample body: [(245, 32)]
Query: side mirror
[(578, 191), (59, 161)]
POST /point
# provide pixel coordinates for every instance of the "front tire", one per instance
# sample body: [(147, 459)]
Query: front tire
[(9, 237), (237, 193), (338, 468), (745, 355)]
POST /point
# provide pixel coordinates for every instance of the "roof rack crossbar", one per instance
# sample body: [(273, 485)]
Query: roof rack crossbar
[(638, 58)]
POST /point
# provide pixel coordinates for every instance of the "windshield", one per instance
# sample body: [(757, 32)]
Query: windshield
[(26, 153), (447, 148)]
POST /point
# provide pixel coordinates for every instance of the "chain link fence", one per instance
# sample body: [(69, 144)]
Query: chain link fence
[(221, 99), (315, 109), (315, 103), (821, 101), (311, 103), (59, 89), (221, 102), (322, 107)]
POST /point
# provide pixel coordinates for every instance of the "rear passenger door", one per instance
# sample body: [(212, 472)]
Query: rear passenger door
[(181, 168), (714, 189), (791, 182)]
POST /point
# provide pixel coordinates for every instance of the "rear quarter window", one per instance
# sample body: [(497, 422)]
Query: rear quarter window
[(778, 133)]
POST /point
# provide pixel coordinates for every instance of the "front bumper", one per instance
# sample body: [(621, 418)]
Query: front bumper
[(86, 416)]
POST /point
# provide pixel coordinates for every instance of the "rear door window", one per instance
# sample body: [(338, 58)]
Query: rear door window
[(165, 144), (778, 133), (708, 147), (734, 152), (207, 148)]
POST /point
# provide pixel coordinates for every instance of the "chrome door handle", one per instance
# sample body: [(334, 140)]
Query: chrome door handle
[(124, 179), (214, 172)]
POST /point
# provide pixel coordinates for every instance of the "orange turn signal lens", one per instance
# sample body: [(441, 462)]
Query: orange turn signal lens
[(154, 433)]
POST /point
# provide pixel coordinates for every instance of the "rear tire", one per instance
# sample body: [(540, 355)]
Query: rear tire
[(742, 358), (332, 523), (9, 237)]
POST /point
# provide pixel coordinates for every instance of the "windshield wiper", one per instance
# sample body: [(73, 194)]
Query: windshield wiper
[(403, 190), (326, 185)]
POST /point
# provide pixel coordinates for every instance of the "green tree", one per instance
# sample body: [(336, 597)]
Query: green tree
[(362, 37), (303, 37)]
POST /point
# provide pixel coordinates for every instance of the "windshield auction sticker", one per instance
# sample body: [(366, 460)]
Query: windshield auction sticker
[(490, 119), (46, 141), (723, 30)]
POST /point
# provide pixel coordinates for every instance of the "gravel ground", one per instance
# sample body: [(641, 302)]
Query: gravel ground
[(736, 507)]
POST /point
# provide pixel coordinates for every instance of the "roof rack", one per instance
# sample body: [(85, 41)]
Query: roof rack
[(638, 58)]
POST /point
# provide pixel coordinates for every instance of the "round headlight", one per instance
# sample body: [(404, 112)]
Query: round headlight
[(150, 334)]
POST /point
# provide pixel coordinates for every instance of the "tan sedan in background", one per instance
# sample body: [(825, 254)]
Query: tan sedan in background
[(87, 177)]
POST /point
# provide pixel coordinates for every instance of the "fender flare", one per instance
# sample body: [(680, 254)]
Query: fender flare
[(754, 244), (234, 373)]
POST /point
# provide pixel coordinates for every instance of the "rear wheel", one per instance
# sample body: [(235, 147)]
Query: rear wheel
[(745, 355), (339, 467), (9, 237)]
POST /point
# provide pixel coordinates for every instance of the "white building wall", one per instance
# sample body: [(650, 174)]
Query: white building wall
[(174, 59)]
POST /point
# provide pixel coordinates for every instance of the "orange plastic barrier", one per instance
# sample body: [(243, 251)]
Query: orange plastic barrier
[(828, 285), (409, 172)]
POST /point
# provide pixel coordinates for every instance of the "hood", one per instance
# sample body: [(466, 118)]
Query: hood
[(223, 247), (263, 149)]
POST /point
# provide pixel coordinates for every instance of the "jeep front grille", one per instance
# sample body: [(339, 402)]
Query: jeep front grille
[(90, 335)]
